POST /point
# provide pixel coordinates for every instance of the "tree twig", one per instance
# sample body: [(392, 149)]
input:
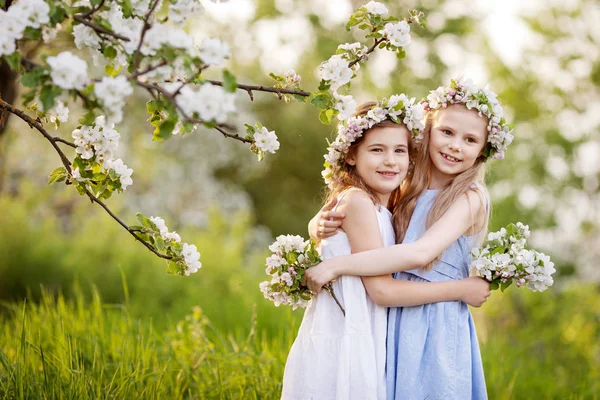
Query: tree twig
[(98, 28), (67, 164), (147, 26)]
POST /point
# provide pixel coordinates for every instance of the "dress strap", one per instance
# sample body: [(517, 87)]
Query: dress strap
[(341, 196)]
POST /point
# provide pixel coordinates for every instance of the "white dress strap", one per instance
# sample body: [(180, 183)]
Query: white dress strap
[(341, 196)]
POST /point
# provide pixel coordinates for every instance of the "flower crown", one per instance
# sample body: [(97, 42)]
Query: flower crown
[(485, 101), (398, 108)]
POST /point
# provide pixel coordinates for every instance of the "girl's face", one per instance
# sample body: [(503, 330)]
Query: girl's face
[(382, 159), (457, 138)]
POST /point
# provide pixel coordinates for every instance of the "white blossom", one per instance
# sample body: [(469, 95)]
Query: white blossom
[(68, 71), (122, 171), (346, 105), (191, 256), (59, 112), (266, 140), (398, 34), (337, 71), (376, 8), (113, 93), (214, 52), (86, 37)]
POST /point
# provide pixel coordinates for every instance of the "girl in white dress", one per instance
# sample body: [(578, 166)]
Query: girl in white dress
[(337, 356)]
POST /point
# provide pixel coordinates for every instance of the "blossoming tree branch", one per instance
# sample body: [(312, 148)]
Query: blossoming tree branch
[(140, 44)]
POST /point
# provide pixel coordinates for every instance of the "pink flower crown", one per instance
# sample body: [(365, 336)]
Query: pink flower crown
[(398, 108), (463, 91)]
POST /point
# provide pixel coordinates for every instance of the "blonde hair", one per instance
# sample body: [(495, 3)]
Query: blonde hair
[(419, 180), (347, 177)]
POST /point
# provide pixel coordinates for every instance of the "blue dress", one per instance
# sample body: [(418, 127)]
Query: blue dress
[(432, 350)]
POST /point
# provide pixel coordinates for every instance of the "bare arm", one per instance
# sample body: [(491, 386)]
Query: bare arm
[(402, 257), (363, 232)]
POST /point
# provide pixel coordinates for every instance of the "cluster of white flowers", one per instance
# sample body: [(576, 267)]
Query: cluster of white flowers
[(336, 71), (398, 108), (22, 14), (189, 252), (266, 140), (68, 71), (113, 92), (192, 258), (505, 259), (485, 101), (346, 105), (210, 102), (286, 268), (398, 34), (122, 171), (160, 35), (292, 79), (100, 141), (183, 9), (86, 37), (59, 112), (164, 231), (376, 8), (214, 52)]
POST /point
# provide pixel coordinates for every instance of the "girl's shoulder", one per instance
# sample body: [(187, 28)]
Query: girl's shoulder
[(355, 200)]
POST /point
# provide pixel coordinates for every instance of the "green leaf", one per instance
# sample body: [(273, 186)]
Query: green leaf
[(48, 94), (160, 243), (145, 221), (494, 286), (31, 79), (127, 8), (401, 54), (325, 116), (505, 285), (229, 81), (111, 71), (87, 119), (153, 106), (324, 85), (14, 60), (320, 100), (164, 131), (109, 52), (58, 175), (174, 268), (32, 33), (277, 77)]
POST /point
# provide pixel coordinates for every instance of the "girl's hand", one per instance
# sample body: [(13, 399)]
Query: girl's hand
[(319, 275), (326, 223), (474, 291)]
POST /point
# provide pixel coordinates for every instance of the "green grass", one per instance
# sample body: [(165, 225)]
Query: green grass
[(78, 350), (86, 349)]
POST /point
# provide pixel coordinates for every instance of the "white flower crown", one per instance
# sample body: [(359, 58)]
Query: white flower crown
[(463, 91), (398, 108)]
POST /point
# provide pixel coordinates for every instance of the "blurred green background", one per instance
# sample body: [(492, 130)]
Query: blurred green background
[(76, 286)]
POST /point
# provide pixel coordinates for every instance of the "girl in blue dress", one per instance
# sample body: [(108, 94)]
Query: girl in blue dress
[(432, 349)]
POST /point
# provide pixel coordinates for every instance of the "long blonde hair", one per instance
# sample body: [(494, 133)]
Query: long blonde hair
[(418, 182), (347, 176)]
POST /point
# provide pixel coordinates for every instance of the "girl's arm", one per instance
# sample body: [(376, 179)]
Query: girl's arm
[(402, 257), (389, 292), (363, 232)]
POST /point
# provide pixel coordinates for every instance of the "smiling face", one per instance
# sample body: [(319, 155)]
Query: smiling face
[(458, 136), (382, 159)]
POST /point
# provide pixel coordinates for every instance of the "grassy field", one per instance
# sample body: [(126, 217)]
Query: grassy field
[(81, 349)]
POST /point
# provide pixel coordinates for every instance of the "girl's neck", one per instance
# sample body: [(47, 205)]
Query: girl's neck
[(382, 199), (438, 180)]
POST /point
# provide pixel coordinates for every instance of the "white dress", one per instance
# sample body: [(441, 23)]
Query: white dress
[(336, 357)]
